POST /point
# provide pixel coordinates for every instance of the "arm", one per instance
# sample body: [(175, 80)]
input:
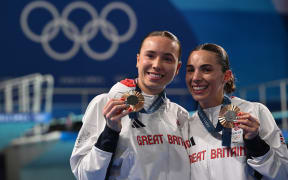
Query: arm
[(87, 161), (97, 139), (269, 156)]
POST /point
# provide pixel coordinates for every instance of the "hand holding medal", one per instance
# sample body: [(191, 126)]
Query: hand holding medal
[(230, 116), (249, 124), (115, 109)]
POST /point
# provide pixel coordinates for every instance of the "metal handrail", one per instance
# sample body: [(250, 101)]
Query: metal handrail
[(262, 88), (24, 86)]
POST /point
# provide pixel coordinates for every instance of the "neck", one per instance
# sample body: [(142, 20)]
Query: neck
[(212, 103), (151, 92), (146, 90)]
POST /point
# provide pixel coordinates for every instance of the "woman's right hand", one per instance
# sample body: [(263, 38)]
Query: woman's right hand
[(113, 111), (249, 124)]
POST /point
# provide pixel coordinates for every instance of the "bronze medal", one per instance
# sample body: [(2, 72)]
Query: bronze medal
[(134, 99), (228, 115)]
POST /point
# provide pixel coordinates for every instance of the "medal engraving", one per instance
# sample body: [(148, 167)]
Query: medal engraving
[(228, 115), (134, 99)]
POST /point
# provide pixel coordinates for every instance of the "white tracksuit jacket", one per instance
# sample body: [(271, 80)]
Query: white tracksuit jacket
[(211, 161), (154, 152)]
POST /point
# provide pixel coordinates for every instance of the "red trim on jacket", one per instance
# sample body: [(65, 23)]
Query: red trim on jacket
[(128, 82)]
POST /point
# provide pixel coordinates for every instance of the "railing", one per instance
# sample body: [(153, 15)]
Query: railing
[(280, 95), (27, 94), (261, 96), (86, 92), (34, 93)]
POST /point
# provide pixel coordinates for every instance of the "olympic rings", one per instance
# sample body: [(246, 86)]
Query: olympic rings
[(71, 31)]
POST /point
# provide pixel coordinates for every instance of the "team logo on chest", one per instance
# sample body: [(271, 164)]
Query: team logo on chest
[(137, 124)]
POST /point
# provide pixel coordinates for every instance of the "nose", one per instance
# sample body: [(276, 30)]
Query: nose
[(196, 76), (156, 64)]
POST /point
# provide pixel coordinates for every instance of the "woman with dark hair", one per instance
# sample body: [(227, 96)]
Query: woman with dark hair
[(134, 131), (231, 138)]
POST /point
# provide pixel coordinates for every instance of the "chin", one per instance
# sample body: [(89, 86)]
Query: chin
[(155, 83), (198, 97)]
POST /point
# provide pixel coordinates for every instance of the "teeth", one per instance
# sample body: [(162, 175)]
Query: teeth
[(155, 75), (198, 88)]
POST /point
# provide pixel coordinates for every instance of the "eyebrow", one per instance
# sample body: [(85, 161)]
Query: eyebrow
[(169, 54), (154, 52), (202, 66), (150, 51), (206, 65)]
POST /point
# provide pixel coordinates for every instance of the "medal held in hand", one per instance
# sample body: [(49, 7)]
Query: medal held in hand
[(134, 99), (228, 115)]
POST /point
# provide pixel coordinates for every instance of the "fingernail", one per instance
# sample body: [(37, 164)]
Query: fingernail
[(236, 124), (122, 99), (130, 109)]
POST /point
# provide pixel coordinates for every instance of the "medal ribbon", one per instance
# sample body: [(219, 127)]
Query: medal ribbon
[(226, 132), (154, 106)]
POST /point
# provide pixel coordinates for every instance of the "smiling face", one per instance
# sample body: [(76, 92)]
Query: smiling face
[(157, 63), (205, 78)]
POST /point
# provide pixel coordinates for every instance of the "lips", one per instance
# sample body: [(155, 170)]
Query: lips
[(154, 76), (197, 89)]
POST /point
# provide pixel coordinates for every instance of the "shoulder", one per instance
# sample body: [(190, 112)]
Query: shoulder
[(95, 106), (174, 106), (121, 87), (244, 103), (98, 99), (180, 113), (238, 101)]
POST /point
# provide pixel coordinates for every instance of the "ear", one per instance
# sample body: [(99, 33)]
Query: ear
[(178, 67), (138, 59), (227, 76)]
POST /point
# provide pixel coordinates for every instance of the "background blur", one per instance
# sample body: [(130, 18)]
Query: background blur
[(57, 55)]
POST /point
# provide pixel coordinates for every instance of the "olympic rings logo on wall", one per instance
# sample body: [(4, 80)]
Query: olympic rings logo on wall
[(71, 31)]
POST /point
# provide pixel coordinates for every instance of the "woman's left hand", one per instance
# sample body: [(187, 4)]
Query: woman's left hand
[(249, 124)]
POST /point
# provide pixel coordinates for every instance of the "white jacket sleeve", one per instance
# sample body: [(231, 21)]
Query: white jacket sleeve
[(274, 164), (87, 161)]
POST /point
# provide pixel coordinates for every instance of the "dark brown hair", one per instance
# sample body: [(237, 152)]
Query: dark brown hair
[(223, 60)]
